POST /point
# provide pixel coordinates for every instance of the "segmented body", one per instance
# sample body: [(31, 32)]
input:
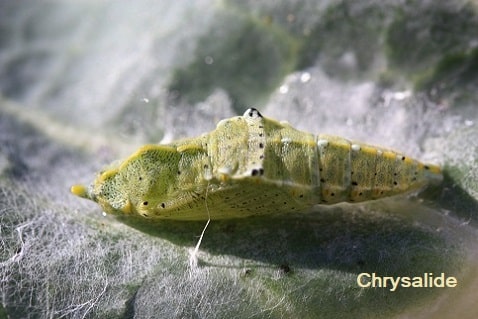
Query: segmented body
[(252, 165)]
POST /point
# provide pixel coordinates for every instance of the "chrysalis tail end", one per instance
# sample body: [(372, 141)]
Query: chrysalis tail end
[(434, 174)]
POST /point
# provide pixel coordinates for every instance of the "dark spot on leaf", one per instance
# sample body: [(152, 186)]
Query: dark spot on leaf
[(145, 203), (354, 183), (163, 205), (285, 268)]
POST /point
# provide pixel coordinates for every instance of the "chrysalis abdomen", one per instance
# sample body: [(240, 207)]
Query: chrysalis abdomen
[(355, 172)]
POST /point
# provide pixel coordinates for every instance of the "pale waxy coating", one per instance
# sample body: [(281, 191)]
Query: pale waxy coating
[(252, 165)]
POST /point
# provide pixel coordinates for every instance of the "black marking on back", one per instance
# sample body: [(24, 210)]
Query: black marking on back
[(252, 113)]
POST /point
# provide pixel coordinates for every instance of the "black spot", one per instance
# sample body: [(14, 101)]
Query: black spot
[(163, 205), (360, 194), (427, 167), (403, 158), (145, 203), (261, 145), (206, 166), (332, 194), (414, 179), (320, 169), (285, 268), (354, 183), (322, 180), (375, 174), (285, 203), (140, 178), (261, 157), (179, 172), (352, 172), (261, 126), (260, 134), (257, 172), (395, 183), (253, 111), (323, 201), (301, 195), (381, 192)]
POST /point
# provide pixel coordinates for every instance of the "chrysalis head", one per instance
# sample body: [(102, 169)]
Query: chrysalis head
[(107, 192), (136, 186)]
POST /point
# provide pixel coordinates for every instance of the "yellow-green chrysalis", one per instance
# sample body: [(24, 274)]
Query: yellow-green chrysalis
[(252, 165)]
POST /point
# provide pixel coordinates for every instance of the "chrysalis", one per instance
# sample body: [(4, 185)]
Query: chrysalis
[(252, 165)]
